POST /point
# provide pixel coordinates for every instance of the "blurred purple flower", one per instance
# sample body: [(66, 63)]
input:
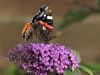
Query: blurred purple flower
[(41, 59)]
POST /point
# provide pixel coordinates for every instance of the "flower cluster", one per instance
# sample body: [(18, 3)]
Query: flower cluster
[(41, 59)]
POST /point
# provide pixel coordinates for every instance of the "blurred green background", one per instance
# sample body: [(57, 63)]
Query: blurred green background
[(76, 22)]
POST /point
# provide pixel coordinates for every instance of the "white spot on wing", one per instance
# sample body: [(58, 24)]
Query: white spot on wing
[(49, 17)]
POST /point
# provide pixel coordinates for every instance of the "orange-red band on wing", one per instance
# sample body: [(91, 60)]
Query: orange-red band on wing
[(46, 25), (26, 27)]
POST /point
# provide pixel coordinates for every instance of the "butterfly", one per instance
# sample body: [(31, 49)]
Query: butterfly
[(37, 32)]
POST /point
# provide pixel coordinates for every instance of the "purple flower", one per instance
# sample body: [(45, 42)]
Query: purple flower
[(41, 58)]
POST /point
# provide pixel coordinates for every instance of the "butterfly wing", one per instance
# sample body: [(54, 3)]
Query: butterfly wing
[(36, 33)]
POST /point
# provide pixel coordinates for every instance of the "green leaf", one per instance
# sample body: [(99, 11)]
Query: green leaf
[(86, 69), (69, 72), (13, 70), (95, 67)]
